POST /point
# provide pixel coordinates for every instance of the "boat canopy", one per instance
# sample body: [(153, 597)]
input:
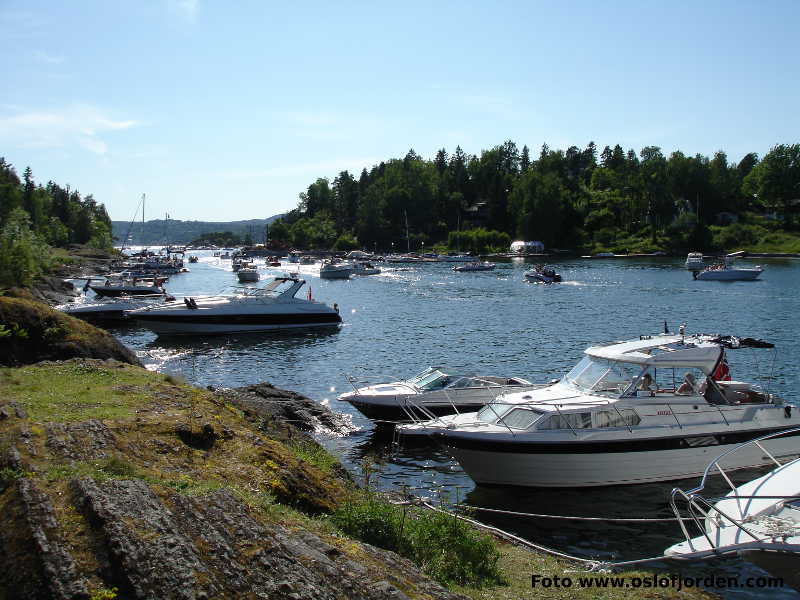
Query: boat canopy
[(663, 351)]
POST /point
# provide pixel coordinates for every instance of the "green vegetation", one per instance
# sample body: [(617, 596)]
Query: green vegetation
[(292, 484), (59, 216), (32, 331), (617, 201), (222, 239), (84, 391), (33, 218), (448, 549)]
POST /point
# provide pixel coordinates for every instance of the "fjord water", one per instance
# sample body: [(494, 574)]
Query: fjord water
[(495, 323)]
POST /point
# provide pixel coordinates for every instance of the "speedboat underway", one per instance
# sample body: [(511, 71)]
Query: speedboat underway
[(758, 521), (365, 268), (335, 270), (695, 261), (725, 271), (542, 274), (432, 392), (250, 310), (653, 409), (247, 274)]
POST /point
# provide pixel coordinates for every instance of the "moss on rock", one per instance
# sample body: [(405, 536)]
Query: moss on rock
[(31, 331)]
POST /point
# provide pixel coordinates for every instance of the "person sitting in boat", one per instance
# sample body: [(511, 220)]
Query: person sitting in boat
[(690, 386), (646, 385)]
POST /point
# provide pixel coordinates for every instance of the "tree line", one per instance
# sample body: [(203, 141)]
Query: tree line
[(34, 218), (574, 199)]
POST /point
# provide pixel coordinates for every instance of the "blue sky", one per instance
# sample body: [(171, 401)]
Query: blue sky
[(228, 110)]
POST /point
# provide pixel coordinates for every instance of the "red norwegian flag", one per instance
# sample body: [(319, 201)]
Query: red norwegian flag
[(722, 372)]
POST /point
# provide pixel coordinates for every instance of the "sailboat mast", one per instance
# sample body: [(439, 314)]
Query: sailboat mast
[(143, 221), (408, 238)]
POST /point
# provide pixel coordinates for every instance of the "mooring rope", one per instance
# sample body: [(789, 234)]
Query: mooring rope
[(573, 518), (591, 565)]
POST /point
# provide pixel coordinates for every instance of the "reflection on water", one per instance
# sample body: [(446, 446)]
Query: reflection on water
[(414, 316)]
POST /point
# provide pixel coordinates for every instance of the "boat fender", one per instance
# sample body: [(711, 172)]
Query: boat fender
[(787, 412)]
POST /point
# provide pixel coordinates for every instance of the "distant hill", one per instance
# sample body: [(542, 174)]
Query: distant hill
[(164, 232)]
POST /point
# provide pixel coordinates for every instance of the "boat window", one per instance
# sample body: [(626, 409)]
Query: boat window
[(599, 376), (491, 412), (612, 418), (464, 382), (567, 421), (521, 418), (432, 380)]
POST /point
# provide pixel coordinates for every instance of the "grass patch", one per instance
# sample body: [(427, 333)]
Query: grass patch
[(447, 549), (314, 454), (78, 391), (518, 564)]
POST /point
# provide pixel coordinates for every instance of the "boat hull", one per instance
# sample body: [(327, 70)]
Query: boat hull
[(115, 292), (594, 464), (730, 275), (199, 324)]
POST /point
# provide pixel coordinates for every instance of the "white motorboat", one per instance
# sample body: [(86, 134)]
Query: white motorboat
[(365, 268), (335, 270), (543, 274), (695, 261), (247, 274), (475, 266), (249, 310), (129, 287), (725, 271), (758, 521), (109, 310), (653, 409), (431, 392)]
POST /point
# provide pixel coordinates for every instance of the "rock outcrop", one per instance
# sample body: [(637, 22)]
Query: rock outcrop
[(31, 331), (268, 402), (150, 489)]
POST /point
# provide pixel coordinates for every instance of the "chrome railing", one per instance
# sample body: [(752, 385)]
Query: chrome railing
[(699, 508)]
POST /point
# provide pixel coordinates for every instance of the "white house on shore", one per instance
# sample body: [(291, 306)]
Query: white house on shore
[(527, 247)]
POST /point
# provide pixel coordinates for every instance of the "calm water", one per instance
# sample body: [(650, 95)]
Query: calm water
[(495, 323)]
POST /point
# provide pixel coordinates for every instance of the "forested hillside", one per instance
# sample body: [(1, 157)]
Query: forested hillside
[(173, 231), (584, 199), (35, 217)]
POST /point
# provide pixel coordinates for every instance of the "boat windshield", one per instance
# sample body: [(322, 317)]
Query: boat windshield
[(492, 412), (602, 376), (430, 379), (272, 290)]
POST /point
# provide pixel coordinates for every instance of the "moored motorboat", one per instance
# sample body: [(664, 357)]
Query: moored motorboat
[(130, 287), (543, 274), (112, 309), (431, 392), (248, 310), (653, 409), (758, 521)]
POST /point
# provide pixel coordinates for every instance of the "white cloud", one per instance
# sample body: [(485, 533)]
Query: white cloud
[(185, 9), (316, 169), (79, 125)]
